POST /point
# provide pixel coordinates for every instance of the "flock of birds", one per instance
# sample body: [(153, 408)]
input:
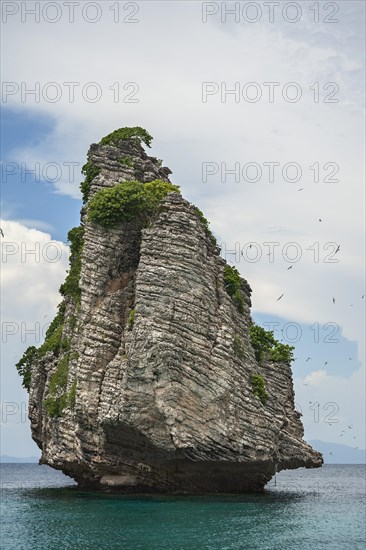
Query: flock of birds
[(326, 362)]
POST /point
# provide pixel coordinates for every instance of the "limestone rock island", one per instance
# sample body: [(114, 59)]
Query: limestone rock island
[(152, 376)]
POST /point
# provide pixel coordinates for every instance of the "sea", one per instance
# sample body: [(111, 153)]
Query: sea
[(300, 509)]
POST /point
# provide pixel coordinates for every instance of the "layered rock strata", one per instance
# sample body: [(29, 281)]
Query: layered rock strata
[(161, 398)]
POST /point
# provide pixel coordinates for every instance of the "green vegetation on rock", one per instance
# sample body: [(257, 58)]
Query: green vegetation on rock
[(259, 388), (57, 397), (90, 171), (131, 319), (24, 366), (206, 225), (71, 285), (232, 282), (136, 133), (267, 348), (54, 342), (128, 200), (126, 161)]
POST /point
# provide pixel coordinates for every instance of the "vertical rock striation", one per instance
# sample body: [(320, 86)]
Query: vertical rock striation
[(149, 386)]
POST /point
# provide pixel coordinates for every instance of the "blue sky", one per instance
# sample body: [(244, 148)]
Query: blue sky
[(164, 59), (23, 196)]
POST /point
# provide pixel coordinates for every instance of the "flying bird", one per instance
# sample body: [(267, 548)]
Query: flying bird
[(326, 363), (301, 188), (338, 247), (291, 266), (333, 300), (350, 427), (279, 297), (362, 297), (1, 232), (308, 359), (331, 452), (320, 219)]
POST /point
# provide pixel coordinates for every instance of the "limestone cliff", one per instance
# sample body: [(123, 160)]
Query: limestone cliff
[(145, 381)]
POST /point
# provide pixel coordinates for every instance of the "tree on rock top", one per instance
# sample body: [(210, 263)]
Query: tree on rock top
[(136, 133)]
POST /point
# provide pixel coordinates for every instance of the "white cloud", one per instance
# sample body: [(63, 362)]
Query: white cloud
[(32, 268), (316, 377)]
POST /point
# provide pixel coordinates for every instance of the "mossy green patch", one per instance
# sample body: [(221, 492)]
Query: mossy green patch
[(259, 388), (71, 285), (232, 283), (126, 201)]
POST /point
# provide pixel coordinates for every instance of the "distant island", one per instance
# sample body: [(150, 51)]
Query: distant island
[(5, 459), (335, 453)]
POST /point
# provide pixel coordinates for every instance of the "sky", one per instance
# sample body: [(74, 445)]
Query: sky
[(258, 110)]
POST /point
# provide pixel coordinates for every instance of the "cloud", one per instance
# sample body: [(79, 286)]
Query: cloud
[(316, 377), (33, 266)]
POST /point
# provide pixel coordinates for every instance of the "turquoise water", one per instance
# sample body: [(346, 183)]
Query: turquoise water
[(301, 510)]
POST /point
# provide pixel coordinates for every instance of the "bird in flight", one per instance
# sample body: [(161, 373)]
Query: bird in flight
[(362, 297), (331, 452), (308, 359), (1, 232), (350, 427), (320, 219), (279, 297), (338, 247), (291, 266), (326, 363), (301, 188), (333, 300)]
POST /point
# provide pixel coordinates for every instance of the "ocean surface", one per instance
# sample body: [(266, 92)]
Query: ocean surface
[(300, 510)]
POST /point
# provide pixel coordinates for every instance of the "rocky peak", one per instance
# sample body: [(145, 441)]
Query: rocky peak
[(151, 377)]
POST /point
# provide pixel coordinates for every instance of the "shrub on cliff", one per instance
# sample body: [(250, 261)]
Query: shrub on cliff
[(266, 347), (126, 201), (24, 366), (71, 285), (136, 133), (232, 283)]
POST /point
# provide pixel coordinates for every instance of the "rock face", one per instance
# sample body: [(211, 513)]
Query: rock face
[(162, 400)]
